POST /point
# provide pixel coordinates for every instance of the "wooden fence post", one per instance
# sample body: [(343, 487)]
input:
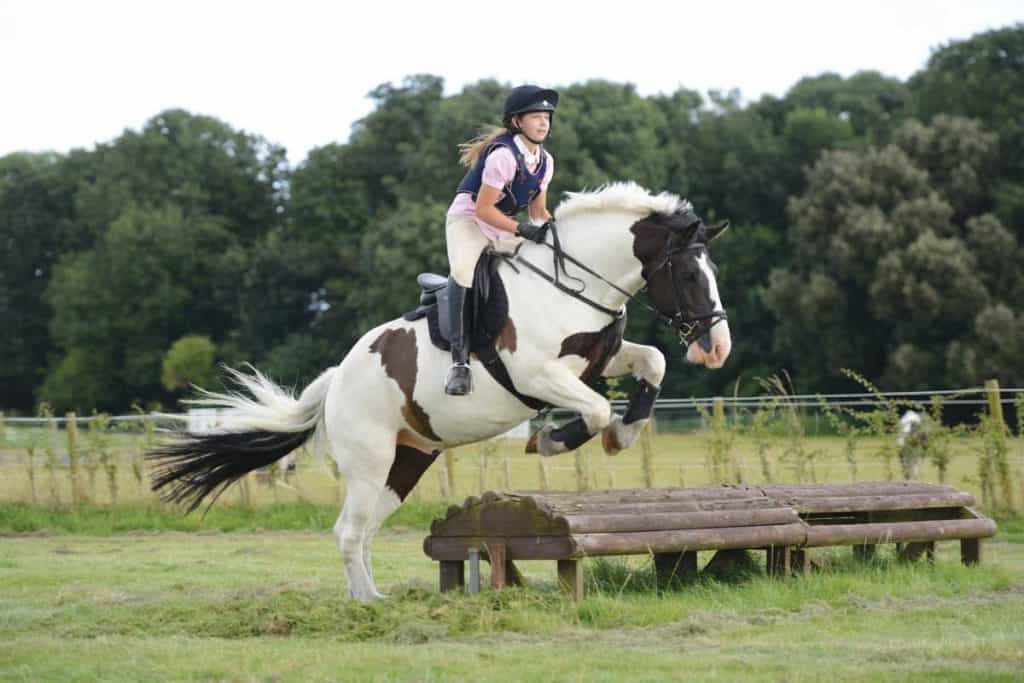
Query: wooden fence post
[(647, 455), (71, 427), (1001, 461), (449, 469), (995, 405), (582, 481)]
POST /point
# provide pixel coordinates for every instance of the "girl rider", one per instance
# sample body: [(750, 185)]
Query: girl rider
[(509, 171)]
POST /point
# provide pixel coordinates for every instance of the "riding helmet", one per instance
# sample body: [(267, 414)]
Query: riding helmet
[(527, 98)]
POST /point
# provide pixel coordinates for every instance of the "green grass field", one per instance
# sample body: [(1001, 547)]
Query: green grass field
[(270, 606), (136, 591)]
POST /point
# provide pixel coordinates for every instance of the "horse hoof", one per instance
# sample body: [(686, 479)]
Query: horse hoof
[(531, 443), (610, 441)]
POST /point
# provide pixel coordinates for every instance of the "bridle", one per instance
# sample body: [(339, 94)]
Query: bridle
[(689, 328)]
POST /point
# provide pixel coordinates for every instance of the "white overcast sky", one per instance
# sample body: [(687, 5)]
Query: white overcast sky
[(76, 73)]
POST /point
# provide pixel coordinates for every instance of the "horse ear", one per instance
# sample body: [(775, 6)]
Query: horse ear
[(715, 231)]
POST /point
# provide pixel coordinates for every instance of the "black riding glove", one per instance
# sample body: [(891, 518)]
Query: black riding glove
[(534, 233)]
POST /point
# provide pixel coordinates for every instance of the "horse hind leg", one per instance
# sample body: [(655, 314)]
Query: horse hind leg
[(406, 470), (350, 533)]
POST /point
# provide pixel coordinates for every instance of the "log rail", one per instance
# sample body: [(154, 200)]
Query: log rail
[(672, 524)]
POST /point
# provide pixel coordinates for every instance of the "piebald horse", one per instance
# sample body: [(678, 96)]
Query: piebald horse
[(383, 412)]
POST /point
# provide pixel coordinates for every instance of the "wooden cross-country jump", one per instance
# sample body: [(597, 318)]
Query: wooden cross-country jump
[(672, 524)]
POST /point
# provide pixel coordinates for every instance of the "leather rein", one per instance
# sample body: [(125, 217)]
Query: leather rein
[(688, 328)]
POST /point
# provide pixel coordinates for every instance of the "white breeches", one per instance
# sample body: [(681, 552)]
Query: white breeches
[(465, 241)]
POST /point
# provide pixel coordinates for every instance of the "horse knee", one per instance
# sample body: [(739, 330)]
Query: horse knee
[(653, 367), (599, 418)]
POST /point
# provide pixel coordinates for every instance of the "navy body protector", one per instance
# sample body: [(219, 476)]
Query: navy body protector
[(521, 191)]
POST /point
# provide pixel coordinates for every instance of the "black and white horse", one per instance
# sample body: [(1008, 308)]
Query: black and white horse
[(383, 413)]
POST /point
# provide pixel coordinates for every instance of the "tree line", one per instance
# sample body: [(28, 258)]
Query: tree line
[(878, 225)]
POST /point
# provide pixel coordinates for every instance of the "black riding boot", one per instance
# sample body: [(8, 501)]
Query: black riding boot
[(459, 382)]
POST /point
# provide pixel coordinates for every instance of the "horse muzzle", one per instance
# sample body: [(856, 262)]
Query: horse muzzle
[(712, 348)]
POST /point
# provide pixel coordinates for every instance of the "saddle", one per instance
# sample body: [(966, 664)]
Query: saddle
[(486, 313)]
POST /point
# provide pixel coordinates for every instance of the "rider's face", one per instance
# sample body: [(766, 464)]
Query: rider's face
[(535, 124)]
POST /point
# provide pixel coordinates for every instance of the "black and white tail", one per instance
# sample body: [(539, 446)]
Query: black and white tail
[(259, 428)]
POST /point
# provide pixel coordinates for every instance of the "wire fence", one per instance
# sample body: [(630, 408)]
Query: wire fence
[(74, 459)]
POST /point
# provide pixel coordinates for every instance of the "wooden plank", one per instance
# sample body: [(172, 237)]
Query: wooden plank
[(676, 540), (516, 547), (895, 489), (453, 575), (883, 502), (641, 494), (496, 553), (670, 506), (894, 532), (970, 551), (672, 568), (570, 578), (656, 521)]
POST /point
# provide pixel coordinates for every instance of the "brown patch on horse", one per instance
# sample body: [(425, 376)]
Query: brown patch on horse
[(397, 349), (409, 465), (610, 442), (596, 347), (506, 339)]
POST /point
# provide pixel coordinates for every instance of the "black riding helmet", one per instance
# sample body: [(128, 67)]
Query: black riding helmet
[(527, 98)]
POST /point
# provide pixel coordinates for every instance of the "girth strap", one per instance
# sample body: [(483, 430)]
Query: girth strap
[(496, 368)]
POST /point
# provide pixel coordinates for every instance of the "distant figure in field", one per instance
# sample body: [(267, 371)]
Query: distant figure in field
[(912, 439)]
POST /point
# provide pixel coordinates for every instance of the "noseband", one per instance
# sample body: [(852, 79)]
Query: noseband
[(688, 328)]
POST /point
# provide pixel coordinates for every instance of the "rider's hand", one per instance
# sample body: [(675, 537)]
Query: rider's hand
[(534, 233)]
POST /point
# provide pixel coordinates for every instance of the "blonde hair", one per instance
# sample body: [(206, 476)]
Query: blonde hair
[(469, 152)]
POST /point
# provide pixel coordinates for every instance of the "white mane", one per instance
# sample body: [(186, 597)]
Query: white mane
[(625, 196)]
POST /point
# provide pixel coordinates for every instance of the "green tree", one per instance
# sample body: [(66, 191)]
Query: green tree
[(189, 361), (888, 267), (981, 78), (120, 305), (197, 163), (36, 227)]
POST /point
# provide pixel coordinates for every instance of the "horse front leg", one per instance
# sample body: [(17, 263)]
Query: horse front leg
[(648, 365), (557, 385)]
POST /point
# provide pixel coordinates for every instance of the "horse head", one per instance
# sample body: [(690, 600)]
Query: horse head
[(653, 243), (680, 279)]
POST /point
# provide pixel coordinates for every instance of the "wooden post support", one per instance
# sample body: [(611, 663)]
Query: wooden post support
[(911, 552), (570, 578), (474, 570), (865, 552), (513, 577), (779, 560), (970, 551), (453, 575), (800, 561), (496, 554), (674, 567)]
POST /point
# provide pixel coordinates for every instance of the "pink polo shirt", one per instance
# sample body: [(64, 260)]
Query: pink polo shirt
[(499, 171)]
